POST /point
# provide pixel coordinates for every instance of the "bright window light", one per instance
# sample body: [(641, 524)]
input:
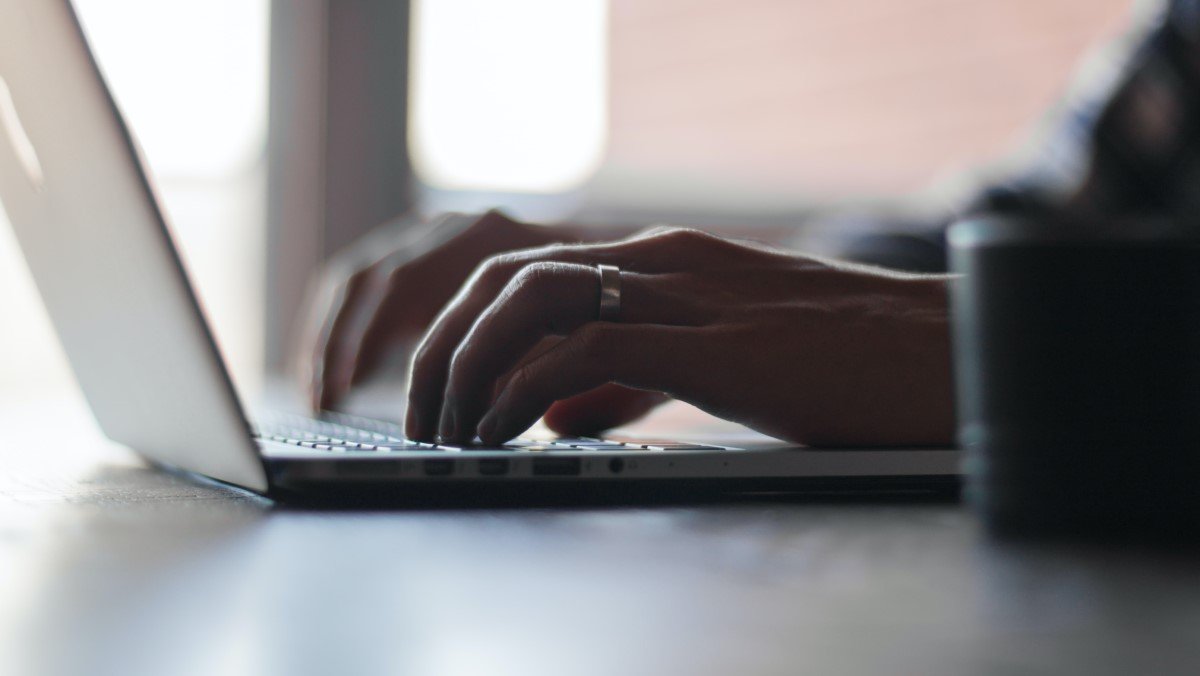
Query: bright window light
[(190, 77), (508, 96)]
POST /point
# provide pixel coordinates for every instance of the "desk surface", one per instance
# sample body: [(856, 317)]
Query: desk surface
[(107, 566)]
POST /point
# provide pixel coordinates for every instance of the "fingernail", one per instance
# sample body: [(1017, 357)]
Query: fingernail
[(488, 426), (446, 428)]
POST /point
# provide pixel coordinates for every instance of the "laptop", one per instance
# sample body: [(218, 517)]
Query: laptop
[(85, 214)]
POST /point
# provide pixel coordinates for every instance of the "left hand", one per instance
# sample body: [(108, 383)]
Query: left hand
[(811, 351)]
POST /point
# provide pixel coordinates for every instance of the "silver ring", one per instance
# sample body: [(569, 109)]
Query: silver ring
[(610, 292)]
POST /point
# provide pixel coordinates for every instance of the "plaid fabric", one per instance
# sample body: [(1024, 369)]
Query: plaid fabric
[(1124, 144)]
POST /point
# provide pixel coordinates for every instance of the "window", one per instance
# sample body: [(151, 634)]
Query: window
[(733, 102), (827, 100), (508, 96)]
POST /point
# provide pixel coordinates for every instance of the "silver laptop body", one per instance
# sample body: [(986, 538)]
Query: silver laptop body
[(86, 217)]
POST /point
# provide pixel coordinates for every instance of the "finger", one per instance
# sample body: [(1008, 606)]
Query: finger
[(413, 294), (376, 343), (603, 408), (544, 299), (330, 354), (331, 344), (343, 297), (305, 353), (648, 357), (655, 252), (381, 328)]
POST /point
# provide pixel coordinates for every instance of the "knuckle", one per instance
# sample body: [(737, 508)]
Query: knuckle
[(365, 281), (673, 238), (594, 338), (421, 358), (491, 217), (535, 276), (687, 236), (472, 219), (460, 361), (340, 270), (356, 280), (520, 381), (492, 265), (495, 270), (594, 349), (396, 276), (652, 234), (478, 220)]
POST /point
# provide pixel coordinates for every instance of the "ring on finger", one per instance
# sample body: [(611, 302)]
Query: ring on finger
[(610, 293)]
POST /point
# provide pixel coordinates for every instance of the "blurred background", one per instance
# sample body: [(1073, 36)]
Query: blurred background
[(278, 131)]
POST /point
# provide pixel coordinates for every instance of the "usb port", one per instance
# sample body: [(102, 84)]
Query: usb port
[(556, 466), (493, 466), (439, 467)]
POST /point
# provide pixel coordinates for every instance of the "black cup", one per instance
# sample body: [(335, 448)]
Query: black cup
[(1077, 360)]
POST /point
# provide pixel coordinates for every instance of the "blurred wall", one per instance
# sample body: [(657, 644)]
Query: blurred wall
[(837, 98)]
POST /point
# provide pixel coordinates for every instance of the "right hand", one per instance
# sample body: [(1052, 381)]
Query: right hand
[(381, 295), (804, 349)]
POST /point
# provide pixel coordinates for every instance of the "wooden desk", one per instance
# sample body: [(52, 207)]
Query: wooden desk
[(107, 567)]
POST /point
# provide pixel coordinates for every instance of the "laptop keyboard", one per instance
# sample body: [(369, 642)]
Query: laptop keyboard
[(337, 432)]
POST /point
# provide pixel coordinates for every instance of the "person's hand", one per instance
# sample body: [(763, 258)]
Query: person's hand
[(801, 349), (383, 292)]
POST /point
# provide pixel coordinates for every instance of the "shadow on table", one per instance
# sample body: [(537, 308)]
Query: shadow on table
[(518, 494), (126, 571), (140, 572)]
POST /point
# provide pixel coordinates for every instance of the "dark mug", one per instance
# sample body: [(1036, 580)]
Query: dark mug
[(1077, 366)]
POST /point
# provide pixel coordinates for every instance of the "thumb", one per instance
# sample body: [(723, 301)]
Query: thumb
[(600, 409)]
